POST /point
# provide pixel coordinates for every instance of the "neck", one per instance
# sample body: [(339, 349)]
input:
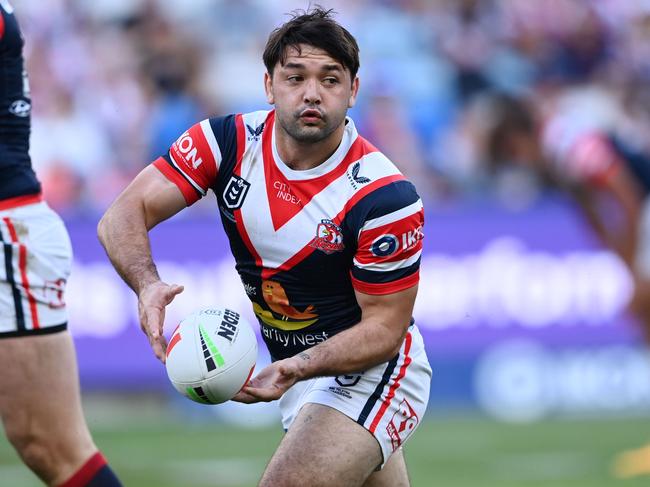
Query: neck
[(301, 156)]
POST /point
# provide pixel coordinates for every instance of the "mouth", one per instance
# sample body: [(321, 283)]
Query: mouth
[(311, 116)]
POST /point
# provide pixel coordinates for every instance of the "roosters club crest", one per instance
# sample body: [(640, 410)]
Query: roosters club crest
[(235, 192), (329, 237), (402, 424)]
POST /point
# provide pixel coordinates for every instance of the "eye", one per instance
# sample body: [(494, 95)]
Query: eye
[(330, 81), (294, 78)]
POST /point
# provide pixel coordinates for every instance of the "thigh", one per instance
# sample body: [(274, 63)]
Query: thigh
[(39, 394), (35, 261), (388, 400), (323, 447), (394, 473)]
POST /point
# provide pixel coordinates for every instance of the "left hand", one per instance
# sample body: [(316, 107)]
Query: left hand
[(271, 382)]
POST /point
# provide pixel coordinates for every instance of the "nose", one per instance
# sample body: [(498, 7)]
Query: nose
[(312, 93)]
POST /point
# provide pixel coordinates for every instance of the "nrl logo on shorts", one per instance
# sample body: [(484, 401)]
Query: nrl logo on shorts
[(235, 192), (329, 237)]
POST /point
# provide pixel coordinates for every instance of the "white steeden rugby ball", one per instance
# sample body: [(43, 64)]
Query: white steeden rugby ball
[(211, 355)]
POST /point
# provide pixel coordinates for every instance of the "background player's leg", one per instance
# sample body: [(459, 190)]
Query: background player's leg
[(323, 447), (40, 405), (393, 474)]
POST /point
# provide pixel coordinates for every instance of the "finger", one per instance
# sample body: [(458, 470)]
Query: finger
[(172, 292), (265, 394), (245, 398), (254, 382), (159, 347)]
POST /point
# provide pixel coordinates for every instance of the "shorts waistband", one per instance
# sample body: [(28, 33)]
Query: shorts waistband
[(23, 200)]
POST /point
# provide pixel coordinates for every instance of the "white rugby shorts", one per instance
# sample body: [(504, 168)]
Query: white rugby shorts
[(388, 400), (35, 261)]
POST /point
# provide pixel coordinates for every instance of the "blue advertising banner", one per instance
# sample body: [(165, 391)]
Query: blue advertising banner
[(523, 314)]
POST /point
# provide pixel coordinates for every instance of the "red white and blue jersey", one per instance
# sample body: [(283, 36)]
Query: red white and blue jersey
[(303, 241), (17, 178)]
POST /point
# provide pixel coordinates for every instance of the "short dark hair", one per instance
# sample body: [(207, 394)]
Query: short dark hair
[(315, 27)]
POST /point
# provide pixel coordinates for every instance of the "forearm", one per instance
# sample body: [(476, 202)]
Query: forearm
[(124, 235), (354, 350)]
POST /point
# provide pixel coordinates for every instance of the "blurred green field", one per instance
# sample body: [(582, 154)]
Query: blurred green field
[(149, 449)]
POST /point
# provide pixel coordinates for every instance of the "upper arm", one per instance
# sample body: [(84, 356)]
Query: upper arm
[(391, 311), (153, 194), (389, 241), (386, 265)]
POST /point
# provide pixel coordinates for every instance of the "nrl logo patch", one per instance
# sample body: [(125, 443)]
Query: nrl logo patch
[(235, 192), (329, 237), (255, 133)]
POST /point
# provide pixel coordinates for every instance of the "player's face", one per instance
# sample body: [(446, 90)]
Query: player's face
[(311, 93)]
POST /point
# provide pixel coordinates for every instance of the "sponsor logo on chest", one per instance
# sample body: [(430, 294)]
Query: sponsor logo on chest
[(283, 192)]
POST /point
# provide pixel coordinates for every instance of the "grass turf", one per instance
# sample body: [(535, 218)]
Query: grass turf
[(445, 452)]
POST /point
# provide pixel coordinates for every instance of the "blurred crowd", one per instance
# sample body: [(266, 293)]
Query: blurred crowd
[(114, 82)]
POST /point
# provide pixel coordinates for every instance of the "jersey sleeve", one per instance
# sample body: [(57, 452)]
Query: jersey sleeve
[(193, 160), (389, 243)]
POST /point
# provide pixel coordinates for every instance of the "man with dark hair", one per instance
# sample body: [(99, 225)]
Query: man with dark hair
[(327, 236), (39, 390)]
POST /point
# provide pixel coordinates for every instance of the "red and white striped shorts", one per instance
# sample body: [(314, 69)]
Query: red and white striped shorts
[(388, 400), (35, 261)]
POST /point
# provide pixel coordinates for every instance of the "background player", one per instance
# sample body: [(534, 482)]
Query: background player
[(320, 223), (610, 182), (569, 150), (39, 391)]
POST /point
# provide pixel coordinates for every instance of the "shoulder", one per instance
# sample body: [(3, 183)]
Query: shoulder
[(386, 189), (254, 122), (245, 122), (235, 129)]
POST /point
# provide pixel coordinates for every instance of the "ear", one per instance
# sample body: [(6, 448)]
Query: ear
[(268, 87), (353, 95)]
